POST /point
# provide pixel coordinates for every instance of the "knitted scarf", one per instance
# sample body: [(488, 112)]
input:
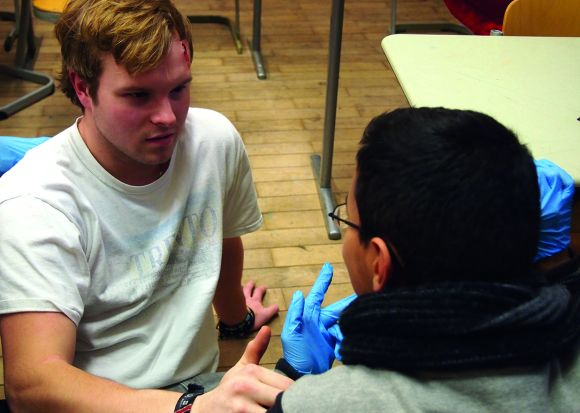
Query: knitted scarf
[(467, 325)]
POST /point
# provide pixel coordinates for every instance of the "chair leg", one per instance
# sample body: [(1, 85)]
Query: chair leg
[(46, 89), (234, 28), (26, 49), (223, 21)]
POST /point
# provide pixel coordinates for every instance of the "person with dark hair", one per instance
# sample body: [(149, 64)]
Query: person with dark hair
[(442, 228), (120, 233)]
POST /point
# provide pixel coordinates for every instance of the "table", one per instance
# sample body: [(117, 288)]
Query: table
[(529, 84)]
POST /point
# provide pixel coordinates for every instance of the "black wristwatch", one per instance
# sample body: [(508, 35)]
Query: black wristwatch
[(186, 400), (240, 330)]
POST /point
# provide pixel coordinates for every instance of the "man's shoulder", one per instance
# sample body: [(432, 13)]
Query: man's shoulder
[(43, 169), (208, 124)]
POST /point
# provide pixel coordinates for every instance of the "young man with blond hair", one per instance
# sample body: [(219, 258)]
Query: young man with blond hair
[(121, 232)]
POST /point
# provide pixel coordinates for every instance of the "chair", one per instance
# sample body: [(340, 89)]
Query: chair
[(542, 18), (234, 29), (26, 50), (431, 26), (48, 10)]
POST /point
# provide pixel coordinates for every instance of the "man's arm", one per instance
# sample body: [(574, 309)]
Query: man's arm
[(38, 350), (231, 299)]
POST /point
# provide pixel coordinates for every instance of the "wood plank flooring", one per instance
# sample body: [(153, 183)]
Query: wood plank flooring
[(281, 120)]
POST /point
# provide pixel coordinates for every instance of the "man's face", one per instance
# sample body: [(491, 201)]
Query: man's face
[(133, 126), (354, 253)]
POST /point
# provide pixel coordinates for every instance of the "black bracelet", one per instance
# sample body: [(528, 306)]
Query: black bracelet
[(283, 366), (240, 330), (186, 400)]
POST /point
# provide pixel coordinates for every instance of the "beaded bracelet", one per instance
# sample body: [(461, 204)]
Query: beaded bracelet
[(240, 330)]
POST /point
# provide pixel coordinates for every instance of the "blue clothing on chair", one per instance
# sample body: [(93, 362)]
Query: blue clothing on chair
[(13, 148)]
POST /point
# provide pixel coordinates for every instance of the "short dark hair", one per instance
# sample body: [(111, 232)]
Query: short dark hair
[(453, 191)]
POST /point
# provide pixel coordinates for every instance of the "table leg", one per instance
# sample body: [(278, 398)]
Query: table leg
[(255, 44), (322, 167)]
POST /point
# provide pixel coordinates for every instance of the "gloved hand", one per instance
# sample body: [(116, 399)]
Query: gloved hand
[(556, 197), (329, 318), (308, 344)]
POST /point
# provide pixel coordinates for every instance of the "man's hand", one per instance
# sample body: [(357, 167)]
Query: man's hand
[(231, 297), (310, 334), (254, 297), (329, 316), (246, 387)]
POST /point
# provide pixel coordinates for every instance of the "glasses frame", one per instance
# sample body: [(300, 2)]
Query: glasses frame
[(335, 217), (394, 256)]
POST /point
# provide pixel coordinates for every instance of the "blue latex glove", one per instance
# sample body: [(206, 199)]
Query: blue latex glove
[(556, 197), (308, 345), (329, 316), (13, 148)]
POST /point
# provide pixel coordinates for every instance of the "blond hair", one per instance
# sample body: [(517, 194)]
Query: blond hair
[(137, 33)]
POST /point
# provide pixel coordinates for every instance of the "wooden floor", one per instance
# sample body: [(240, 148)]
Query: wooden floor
[(281, 120)]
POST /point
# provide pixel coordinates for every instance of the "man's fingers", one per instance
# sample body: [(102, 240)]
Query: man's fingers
[(269, 385), (316, 295), (341, 304), (257, 347), (259, 386), (331, 313), (294, 314), (270, 311), (248, 289), (264, 314), (258, 293)]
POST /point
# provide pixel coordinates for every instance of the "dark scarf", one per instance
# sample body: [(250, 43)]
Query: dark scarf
[(467, 325)]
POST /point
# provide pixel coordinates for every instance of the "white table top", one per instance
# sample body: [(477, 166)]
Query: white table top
[(529, 84)]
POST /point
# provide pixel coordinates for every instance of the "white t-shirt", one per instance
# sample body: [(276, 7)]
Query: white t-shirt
[(134, 267)]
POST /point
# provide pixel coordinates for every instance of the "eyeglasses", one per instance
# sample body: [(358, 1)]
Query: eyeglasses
[(338, 216)]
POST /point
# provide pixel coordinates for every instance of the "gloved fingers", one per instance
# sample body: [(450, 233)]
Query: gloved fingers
[(338, 336), (330, 314), (336, 333), (337, 352), (294, 315), (556, 188), (316, 295), (556, 198)]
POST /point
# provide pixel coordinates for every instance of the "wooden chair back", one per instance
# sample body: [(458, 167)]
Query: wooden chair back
[(542, 18)]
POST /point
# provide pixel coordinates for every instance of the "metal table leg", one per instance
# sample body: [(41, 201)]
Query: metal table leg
[(322, 167), (255, 44)]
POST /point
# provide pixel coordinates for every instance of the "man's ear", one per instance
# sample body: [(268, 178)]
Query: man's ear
[(382, 264), (81, 89)]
